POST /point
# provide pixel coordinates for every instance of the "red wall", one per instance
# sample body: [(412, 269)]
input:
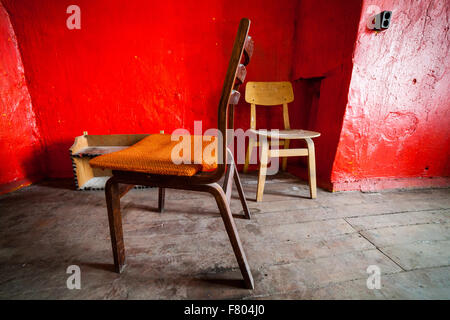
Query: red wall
[(140, 66), (324, 42), (20, 145), (380, 100), (396, 130)]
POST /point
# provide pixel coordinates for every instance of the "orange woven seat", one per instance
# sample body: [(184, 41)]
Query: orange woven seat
[(153, 155)]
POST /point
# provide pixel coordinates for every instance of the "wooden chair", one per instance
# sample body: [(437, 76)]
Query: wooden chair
[(143, 164), (273, 94)]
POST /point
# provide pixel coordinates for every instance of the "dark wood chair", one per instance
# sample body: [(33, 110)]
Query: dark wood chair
[(123, 180)]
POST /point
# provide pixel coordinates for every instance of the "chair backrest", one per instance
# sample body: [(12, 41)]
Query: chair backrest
[(235, 76), (269, 94)]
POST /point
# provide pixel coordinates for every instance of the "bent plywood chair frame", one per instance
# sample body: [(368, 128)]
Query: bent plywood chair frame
[(122, 181)]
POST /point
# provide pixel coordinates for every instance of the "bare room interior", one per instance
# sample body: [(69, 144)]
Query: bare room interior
[(225, 150)]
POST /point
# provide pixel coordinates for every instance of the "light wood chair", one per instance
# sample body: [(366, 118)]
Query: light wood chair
[(143, 164), (275, 94)]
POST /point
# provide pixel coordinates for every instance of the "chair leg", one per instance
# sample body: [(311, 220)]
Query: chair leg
[(161, 198), (248, 155), (311, 168), (228, 182), (230, 226), (240, 190), (232, 173), (284, 160), (115, 223), (262, 169)]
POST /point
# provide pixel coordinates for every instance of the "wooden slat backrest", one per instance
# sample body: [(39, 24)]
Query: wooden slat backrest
[(248, 50), (241, 74), (243, 46)]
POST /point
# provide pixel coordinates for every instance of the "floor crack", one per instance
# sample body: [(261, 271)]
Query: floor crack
[(376, 247)]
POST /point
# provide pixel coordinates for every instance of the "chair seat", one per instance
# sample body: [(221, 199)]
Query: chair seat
[(287, 134), (153, 155)]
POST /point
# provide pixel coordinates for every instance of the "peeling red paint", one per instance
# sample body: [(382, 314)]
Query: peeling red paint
[(20, 141), (396, 127)]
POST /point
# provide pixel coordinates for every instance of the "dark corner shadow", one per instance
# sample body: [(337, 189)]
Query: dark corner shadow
[(42, 159), (58, 183)]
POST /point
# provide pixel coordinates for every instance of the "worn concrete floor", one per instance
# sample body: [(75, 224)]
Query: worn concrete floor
[(297, 248)]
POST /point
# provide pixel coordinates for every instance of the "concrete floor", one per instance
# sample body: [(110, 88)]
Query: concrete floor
[(297, 248)]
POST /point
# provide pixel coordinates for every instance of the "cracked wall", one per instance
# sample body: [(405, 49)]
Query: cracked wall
[(20, 140), (396, 129)]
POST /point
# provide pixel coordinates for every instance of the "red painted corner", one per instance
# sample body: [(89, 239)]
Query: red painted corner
[(20, 139)]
